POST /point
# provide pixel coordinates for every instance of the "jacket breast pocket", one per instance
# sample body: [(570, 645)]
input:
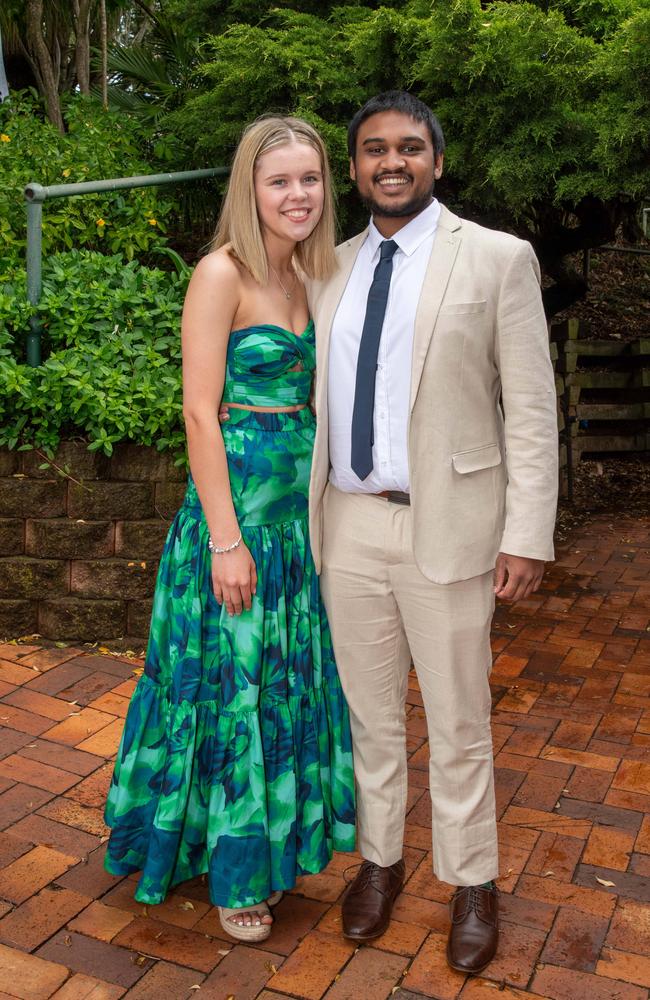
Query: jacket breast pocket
[(463, 308), (475, 459)]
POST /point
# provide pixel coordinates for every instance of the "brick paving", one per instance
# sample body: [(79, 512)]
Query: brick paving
[(571, 722)]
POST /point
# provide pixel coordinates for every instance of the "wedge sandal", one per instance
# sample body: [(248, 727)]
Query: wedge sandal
[(254, 932)]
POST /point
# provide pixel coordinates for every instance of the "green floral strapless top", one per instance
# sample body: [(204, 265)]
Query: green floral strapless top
[(259, 366)]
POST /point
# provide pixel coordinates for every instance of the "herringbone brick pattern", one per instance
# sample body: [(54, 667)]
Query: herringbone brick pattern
[(571, 685)]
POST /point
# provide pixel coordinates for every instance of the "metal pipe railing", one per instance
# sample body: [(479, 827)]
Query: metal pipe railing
[(37, 194)]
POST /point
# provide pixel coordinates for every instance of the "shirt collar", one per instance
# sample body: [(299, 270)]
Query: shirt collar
[(412, 235)]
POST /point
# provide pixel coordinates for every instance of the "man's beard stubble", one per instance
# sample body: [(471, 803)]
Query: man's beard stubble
[(413, 207)]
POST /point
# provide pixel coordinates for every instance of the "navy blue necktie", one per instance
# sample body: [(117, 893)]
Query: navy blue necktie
[(364, 390)]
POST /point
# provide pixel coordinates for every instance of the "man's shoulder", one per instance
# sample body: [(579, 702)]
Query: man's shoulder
[(493, 240)]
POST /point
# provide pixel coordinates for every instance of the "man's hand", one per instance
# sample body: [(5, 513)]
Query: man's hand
[(515, 577)]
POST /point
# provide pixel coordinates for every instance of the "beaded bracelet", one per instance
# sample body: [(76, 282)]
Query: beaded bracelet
[(216, 550)]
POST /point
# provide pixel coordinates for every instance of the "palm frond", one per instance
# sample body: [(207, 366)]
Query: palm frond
[(138, 63)]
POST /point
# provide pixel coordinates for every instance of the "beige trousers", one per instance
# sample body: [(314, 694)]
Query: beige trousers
[(383, 612)]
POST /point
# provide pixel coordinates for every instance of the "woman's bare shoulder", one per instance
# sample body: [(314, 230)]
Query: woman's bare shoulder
[(219, 265)]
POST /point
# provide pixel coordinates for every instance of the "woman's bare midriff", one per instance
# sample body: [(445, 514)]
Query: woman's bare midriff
[(265, 409)]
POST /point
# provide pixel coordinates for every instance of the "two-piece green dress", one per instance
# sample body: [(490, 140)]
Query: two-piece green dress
[(236, 758)]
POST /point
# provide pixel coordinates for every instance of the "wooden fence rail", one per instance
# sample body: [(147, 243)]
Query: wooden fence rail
[(603, 389)]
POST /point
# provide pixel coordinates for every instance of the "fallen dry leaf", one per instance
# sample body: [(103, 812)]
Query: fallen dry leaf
[(604, 881), (186, 905)]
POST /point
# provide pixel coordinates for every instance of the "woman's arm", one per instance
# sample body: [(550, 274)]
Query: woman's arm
[(210, 306)]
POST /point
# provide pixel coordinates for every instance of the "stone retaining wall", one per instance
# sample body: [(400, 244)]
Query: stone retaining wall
[(78, 559)]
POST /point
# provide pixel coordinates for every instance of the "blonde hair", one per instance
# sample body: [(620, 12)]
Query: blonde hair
[(239, 224)]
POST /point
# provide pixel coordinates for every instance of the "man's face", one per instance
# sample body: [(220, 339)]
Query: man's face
[(394, 165)]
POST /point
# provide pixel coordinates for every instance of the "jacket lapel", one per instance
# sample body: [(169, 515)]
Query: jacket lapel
[(325, 312), (443, 255)]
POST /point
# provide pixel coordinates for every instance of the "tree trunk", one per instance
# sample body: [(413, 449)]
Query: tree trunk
[(555, 241), (81, 12), (43, 60), (4, 86), (104, 50)]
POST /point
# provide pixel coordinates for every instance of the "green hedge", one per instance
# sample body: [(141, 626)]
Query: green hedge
[(111, 325), (112, 347), (97, 145)]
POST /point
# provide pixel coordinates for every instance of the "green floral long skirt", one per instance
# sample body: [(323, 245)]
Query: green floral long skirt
[(236, 757)]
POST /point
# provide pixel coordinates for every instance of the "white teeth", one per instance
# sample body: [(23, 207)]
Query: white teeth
[(299, 213), (392, 181)]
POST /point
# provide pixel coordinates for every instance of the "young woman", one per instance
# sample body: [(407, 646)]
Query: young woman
[(236, 755)]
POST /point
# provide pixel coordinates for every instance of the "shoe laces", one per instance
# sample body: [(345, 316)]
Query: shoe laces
[(473, 899), (366, 871)]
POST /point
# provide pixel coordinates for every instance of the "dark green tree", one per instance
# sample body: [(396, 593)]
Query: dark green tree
[(546, 111)]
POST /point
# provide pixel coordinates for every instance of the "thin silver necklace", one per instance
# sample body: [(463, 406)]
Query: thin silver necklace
[(287, 294)]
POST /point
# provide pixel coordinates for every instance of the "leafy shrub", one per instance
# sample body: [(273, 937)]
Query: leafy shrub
[(112, 370), (545, 105), (98, 144)]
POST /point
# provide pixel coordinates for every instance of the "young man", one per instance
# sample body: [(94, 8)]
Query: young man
[(434, 487)]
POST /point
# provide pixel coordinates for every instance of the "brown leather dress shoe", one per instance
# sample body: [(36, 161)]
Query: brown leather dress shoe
[(474, 933), (369, 900)]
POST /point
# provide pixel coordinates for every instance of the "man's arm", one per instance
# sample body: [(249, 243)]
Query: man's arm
[(529, 404)]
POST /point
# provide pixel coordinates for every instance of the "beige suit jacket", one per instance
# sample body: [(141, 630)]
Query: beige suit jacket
[(482, 435)]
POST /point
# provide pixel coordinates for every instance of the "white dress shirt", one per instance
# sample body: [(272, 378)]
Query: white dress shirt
[(393, 382)]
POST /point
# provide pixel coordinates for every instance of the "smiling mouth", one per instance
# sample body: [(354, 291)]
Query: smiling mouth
[(297, 214), (392, 182)]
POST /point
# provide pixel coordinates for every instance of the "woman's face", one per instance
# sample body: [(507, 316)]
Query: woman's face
[(289, 191)]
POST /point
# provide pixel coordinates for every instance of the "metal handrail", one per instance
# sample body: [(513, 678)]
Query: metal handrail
[(36, 194)]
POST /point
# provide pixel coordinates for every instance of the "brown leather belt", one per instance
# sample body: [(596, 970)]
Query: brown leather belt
[(394, 496)]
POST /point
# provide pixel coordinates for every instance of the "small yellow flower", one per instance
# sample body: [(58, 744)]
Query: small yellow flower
[(5, 138), (152, 222), (66, 172), (100, 222)]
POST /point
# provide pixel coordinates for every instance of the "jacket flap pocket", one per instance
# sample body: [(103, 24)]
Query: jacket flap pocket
[(485, 457), (463, 308)]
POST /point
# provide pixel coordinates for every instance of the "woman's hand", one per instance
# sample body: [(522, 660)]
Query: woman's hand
[(234, 579)]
